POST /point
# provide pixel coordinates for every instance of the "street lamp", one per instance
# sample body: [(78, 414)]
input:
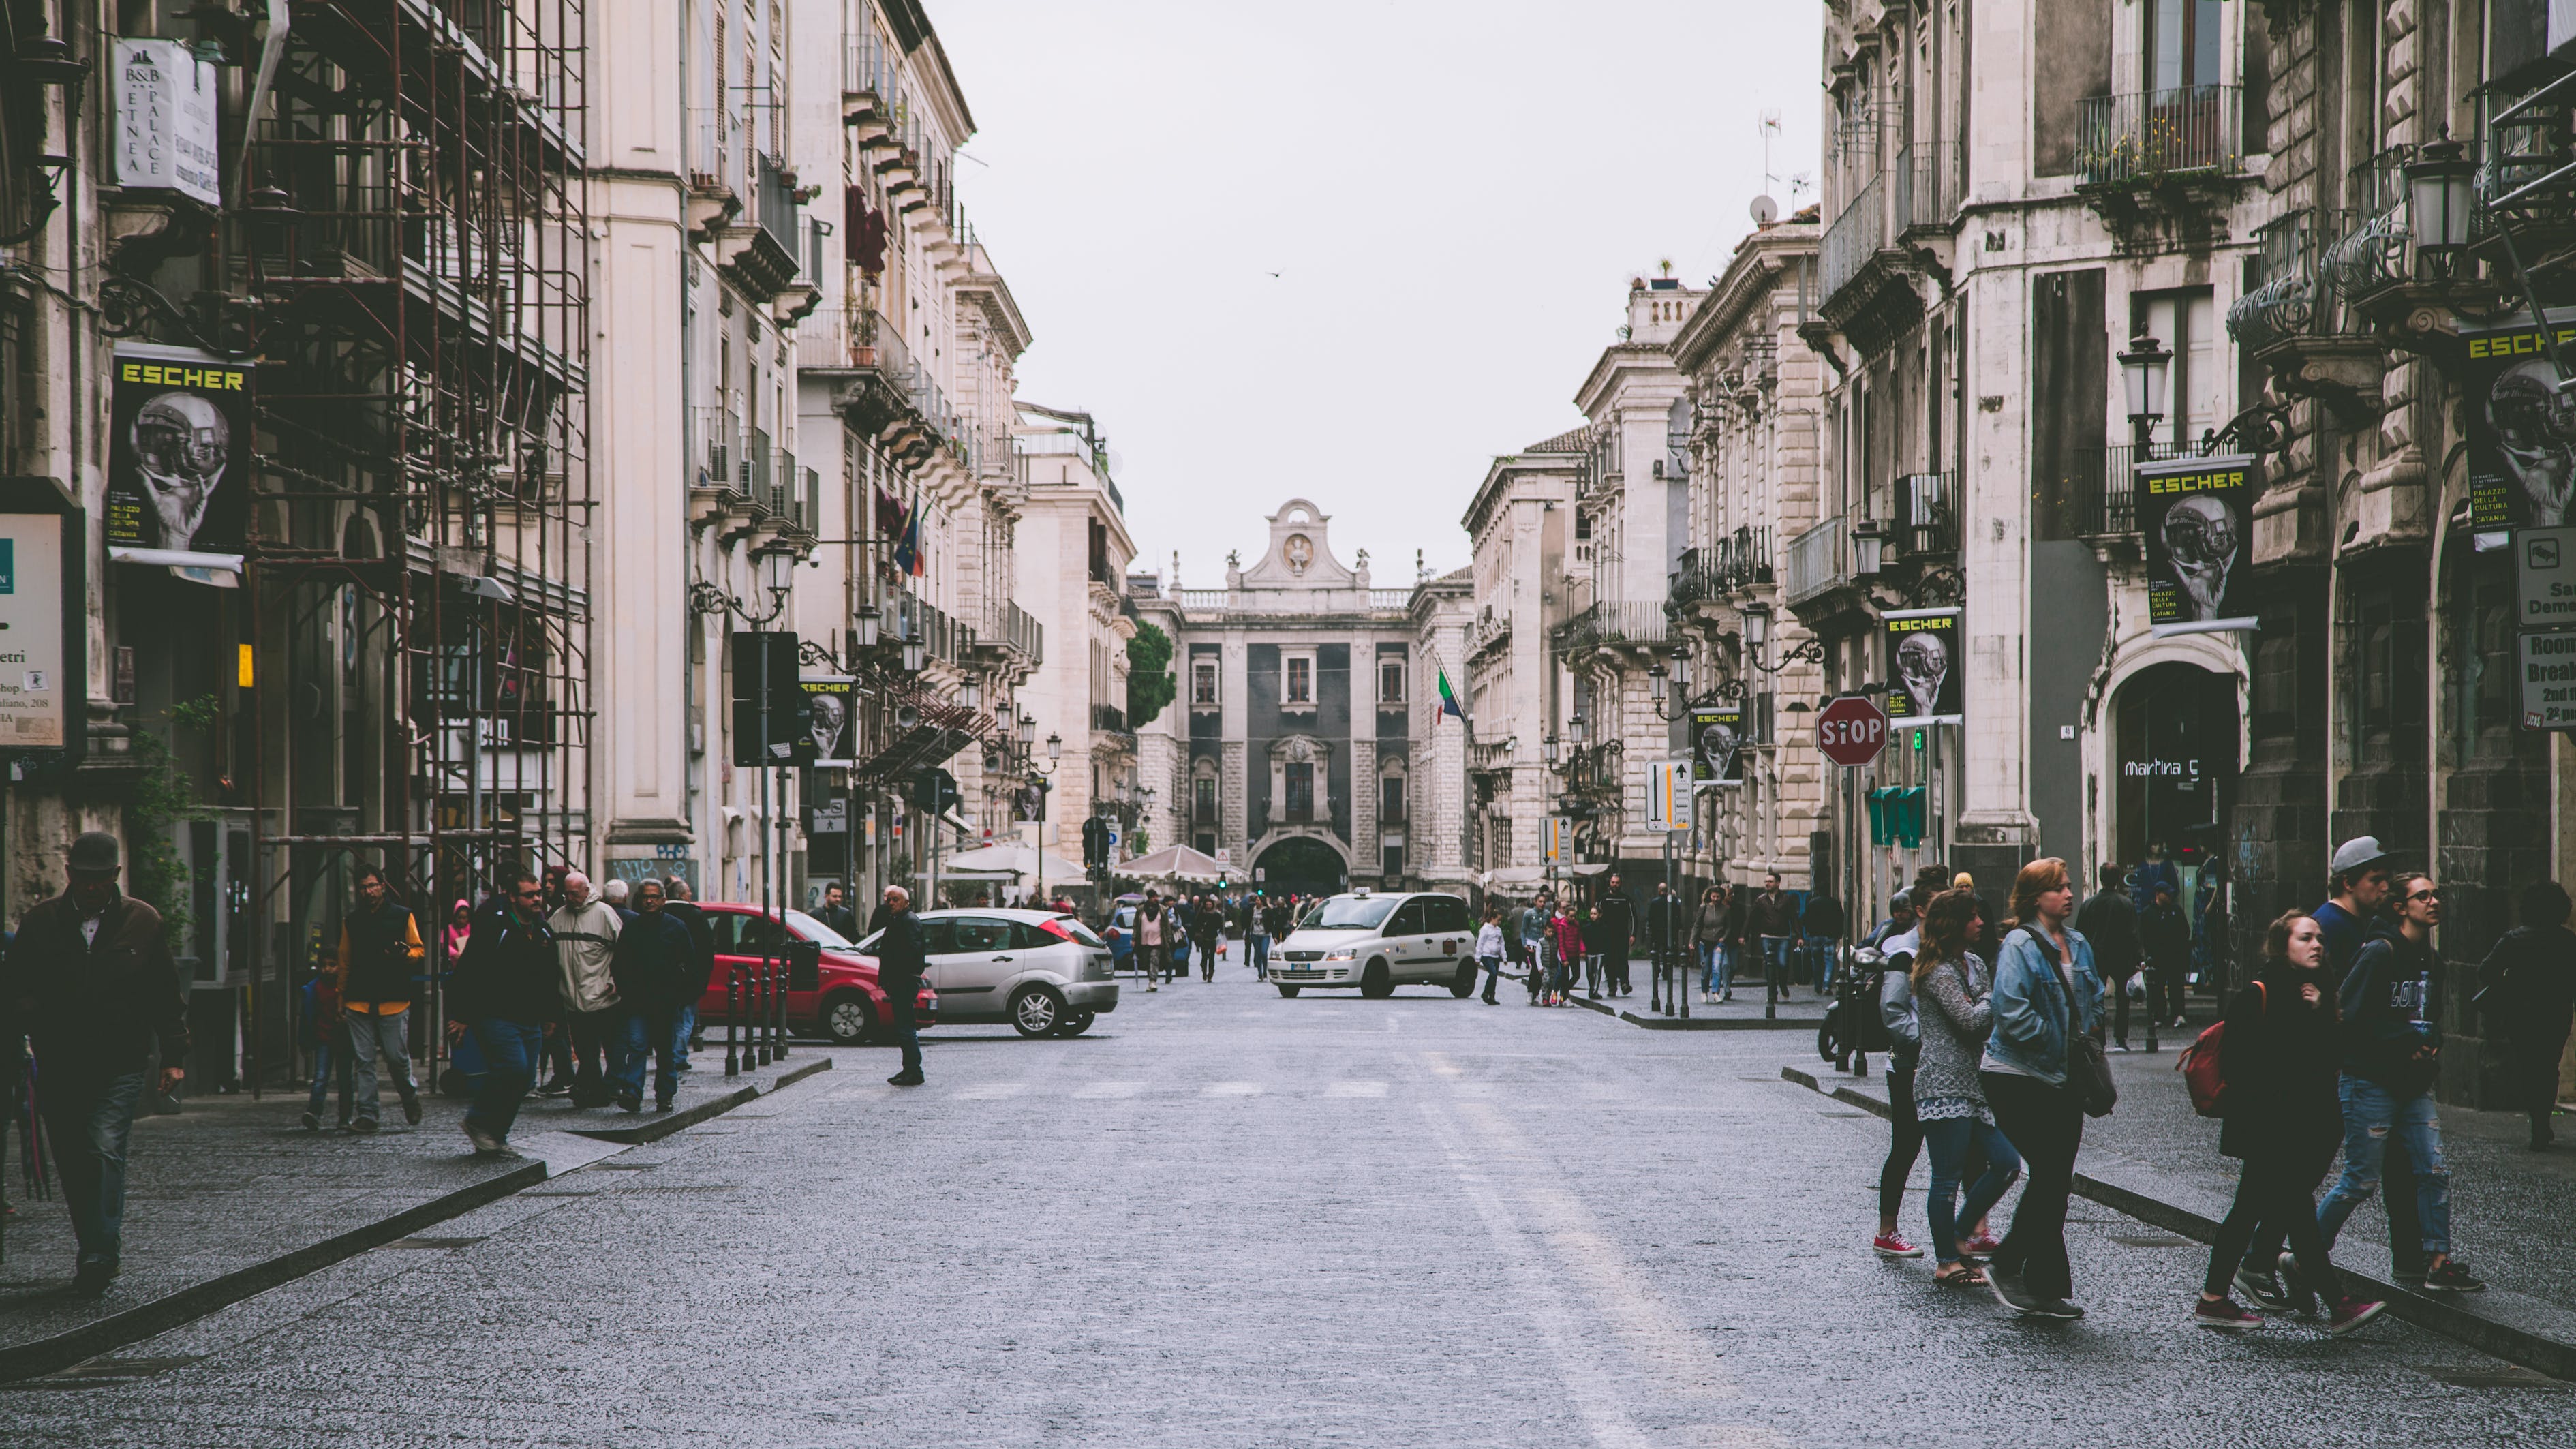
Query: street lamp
[(1656, 674), (2440, 192), (1869, 544), (2144, 369), (1757, 627), (1575, 730), (1547, 748)]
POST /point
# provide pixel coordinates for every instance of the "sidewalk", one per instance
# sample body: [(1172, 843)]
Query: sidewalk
[(2157, 1160), (1800, 1010), (232, 1197)]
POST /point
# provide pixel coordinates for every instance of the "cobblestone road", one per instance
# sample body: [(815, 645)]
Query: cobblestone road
[(1231, 1219)]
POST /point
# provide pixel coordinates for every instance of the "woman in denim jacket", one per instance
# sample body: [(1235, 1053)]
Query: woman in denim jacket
[(2046, 990)]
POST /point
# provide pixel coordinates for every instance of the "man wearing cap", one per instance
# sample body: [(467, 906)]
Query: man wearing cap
[(2357, 882), (90, 979)]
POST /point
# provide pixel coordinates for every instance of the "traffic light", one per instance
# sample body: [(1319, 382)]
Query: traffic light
[(1095, 841), (772, 723)]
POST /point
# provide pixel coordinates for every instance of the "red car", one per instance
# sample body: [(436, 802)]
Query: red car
[(836, 995)]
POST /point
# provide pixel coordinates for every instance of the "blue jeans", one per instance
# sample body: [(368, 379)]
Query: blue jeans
[(89, 1119), (1493, 972), (368, 1033), (682, 1030), (1260, 949), (1716, 969), (1950, 1139), (1775, 960), (331, 1053), (656, 1032), (2370, 1115), (511, 1052)]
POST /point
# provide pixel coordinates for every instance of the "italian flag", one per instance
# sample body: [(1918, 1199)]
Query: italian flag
[(1449, 697)]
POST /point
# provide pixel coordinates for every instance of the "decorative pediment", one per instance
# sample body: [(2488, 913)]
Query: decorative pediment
[(1300, 554)]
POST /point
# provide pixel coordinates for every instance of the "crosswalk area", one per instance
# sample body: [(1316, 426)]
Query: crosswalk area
[(1118, 1089)]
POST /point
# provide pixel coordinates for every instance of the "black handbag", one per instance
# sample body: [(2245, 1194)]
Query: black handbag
[(2088, 1071)]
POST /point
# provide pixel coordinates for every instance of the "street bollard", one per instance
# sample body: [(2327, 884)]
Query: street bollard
[(733, 1021), (786, 978)]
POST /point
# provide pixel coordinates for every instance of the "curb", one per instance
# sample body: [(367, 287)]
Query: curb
[(1701, 1023), (2513, 1343), (657, 1128), (147, 1320)]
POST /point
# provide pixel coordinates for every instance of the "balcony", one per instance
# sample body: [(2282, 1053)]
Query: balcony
[(1605, 625), (1925, 525), (2147, 139), (1929, 186), (2101, 494), (1016, 641), (890, 396), (2296, 322), (1819, 562), (719, 179), (1736, 562), (762, 253), (1109, 719), (1858, 231)]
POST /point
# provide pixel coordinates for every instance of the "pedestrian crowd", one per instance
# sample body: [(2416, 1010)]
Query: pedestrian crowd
[(2330, 1047)]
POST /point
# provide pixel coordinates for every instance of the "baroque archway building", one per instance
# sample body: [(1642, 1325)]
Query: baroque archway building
[(1307, 748)]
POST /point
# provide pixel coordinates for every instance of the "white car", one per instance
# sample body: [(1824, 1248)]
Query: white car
[(1376, 943), (1046, 974)]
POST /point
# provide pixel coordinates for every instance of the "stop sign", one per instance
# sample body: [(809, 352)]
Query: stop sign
[(1851, 730)]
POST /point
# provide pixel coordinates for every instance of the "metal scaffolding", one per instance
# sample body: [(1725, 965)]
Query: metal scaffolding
[(413, 253)]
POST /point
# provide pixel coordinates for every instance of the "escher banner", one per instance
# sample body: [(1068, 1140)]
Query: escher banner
[(179, 457), (2196, 516), (2521, 425)]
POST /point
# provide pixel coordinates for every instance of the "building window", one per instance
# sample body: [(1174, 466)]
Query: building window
[(1390, 798), (1203, 682), (1391, 861), (1203, 800), (1299, 685), (1390, 680), (1204, 842), (1301, 794)]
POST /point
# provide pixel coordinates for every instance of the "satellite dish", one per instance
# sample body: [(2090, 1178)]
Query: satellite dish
[(1765, 211)]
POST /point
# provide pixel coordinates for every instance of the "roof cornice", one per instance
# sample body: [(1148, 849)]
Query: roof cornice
[(1754, 272)]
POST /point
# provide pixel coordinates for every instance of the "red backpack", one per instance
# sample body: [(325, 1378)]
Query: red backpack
[(2199, 1065)]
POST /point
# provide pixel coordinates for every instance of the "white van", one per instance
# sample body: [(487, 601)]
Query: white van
[(1377, 943)]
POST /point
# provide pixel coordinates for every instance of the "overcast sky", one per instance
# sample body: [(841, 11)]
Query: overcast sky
[(1351, 249)]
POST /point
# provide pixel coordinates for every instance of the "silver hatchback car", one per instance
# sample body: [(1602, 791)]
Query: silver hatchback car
[(1044, 973)]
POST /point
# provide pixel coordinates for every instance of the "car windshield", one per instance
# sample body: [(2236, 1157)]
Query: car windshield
[(809, 929), (1348, 913), (1077, 930)]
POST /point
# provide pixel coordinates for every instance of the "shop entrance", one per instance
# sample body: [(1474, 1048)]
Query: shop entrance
[(2174, 762)]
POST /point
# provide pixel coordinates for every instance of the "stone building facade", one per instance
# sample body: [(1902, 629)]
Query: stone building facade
[(1306, 748), (1522, 523), (1756, 395)]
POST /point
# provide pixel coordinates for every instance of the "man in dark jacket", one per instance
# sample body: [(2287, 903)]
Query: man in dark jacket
[(1772, 920), (380, 949), (1668, 930), (902, 958), (653, 963), (702, 959), (2164, 939), (507, 986), (90, 979), (2528, 984), (836, 912), (2392, 1039), (1618, 931), (2109, 919)]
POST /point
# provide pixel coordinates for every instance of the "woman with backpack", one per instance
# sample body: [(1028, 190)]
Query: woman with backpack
[(2046, 996), (1954, 1012), (2280, 1053)]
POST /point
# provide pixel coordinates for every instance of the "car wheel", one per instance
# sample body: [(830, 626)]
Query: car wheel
[(1290, 991), (1377, 981), (1075, 1023), (1465, 985), (847, 1018), (1036, 1011)]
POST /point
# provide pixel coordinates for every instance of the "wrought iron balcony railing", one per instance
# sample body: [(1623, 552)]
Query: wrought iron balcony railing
[(2142, 138)]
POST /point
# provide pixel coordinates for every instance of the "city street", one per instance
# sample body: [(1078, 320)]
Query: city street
[(1228, 1218)]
